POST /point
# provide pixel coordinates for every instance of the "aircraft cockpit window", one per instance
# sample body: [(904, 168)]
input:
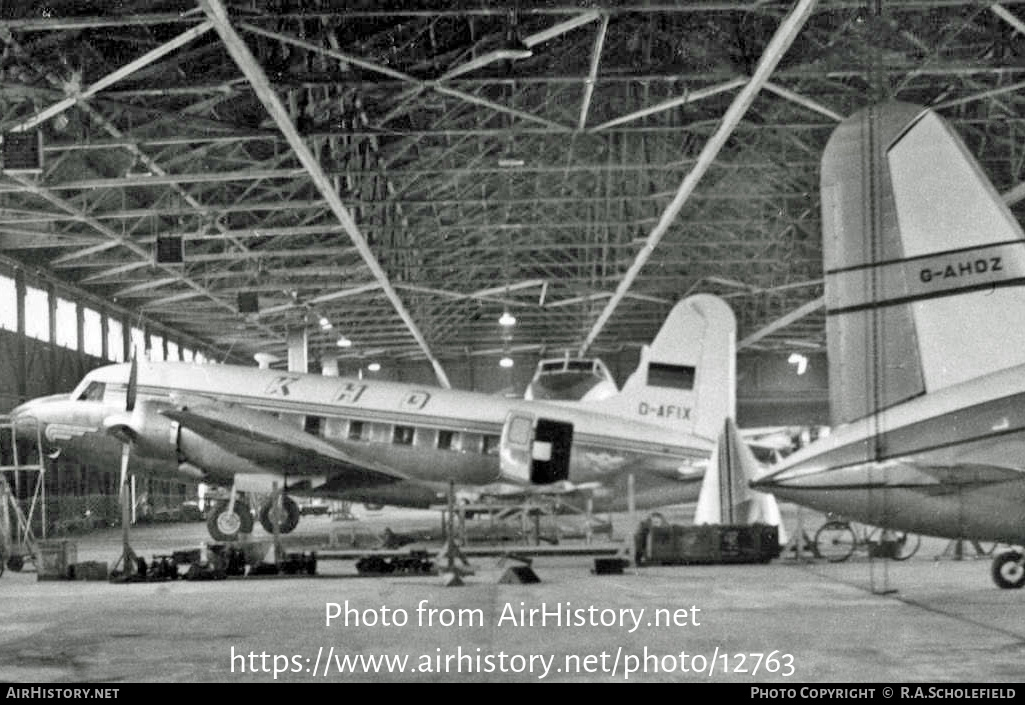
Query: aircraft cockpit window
[(94, 392), (579, 365), (551, 366)]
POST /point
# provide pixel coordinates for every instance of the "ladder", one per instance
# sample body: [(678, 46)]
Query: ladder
[(17, 539)]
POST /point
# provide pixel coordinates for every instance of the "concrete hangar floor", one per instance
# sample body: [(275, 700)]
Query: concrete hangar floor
[(797, 621)]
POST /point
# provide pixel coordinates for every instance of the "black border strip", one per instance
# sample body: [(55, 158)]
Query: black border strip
[(922, 297), (870, 265)]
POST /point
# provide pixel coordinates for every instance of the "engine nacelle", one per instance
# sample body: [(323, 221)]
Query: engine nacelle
[(161, 440), (534, 451), (154, 436)]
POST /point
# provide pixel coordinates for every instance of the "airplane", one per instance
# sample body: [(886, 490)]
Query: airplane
[(924, 266), (263, 430)]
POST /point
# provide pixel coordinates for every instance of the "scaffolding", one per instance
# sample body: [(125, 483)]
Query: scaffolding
[(18, 541)]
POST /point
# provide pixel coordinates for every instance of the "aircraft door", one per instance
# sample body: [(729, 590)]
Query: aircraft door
[(533, 450), (551, 450)]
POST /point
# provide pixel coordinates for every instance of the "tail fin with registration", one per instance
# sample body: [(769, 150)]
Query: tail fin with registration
[(924, 262)]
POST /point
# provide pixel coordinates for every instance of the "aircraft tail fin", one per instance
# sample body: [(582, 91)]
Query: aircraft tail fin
[(725, 497), (924, 262), (686, 379)]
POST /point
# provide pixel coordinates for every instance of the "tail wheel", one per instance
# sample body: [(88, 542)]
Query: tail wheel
[(226, 526), (835, 541), (287, 516), (1008, 570)]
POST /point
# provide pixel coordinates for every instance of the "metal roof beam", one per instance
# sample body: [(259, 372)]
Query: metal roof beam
[(111, 78), (265, 92), (777, 46), (783, 321)]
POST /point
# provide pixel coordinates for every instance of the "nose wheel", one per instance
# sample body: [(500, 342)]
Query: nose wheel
[(1009, 570)]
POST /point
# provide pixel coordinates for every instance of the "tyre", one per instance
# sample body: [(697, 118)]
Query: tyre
[(1008, 571), (226, 527), (905, 544), (835, 541), (287, 520)]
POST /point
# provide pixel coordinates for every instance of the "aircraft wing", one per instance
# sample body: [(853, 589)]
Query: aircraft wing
[(272, 443)]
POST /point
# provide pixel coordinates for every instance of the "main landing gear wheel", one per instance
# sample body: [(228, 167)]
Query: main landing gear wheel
[(287, 516), (1008, 571), (225, 526)]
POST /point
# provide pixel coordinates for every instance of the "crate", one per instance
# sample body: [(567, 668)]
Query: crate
[(711, 543), (55, 558), (89, 570)]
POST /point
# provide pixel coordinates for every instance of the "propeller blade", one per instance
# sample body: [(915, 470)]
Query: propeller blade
[(126, 452), (133, 376)]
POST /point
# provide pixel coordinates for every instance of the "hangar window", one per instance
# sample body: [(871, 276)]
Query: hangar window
[(156, 348), (402, 435), (172, 351), (66, 323), (8, 304), (138, 343), (312, 425), (186, 355), (37, 314), (115, 340), (92, 332), (671, 376)]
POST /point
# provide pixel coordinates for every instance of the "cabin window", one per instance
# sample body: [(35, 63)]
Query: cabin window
[(380, 432), (472, 443), (402, 435), (334, 428), (491, 443), (94, 392), (356, 431), (520, 429), (671, 376), (447, 440), (425, 438), (312, 425)]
